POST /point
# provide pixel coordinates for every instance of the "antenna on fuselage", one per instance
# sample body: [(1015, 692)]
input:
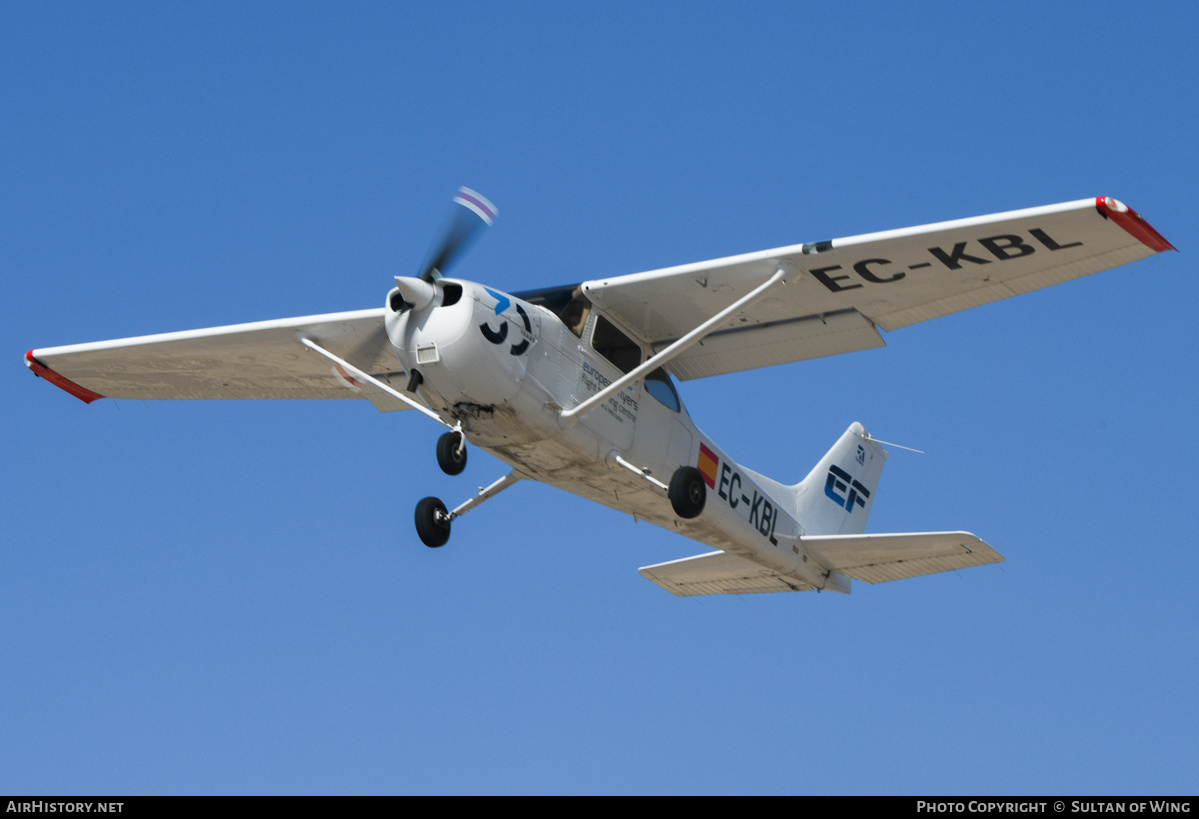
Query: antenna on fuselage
[(870, 437)]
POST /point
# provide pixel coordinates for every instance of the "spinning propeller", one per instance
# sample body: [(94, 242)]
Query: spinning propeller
[(465, 224)]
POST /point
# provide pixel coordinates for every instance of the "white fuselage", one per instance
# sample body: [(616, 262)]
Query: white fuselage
[(505, 368)]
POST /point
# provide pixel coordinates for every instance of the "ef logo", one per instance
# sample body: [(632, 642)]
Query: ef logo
[(839, 482)]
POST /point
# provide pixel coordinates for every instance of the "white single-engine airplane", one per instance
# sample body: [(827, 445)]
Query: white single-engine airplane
[(572, 385)]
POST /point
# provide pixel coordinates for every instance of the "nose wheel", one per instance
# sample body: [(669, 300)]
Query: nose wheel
[(451, 453)]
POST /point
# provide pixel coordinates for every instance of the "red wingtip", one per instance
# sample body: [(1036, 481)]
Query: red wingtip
[(1132, 222), (42, 371)]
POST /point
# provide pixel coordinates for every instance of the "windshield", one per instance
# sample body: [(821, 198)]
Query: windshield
[(567, 303)]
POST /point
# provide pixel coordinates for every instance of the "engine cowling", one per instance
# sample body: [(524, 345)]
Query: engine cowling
[(470, 343)]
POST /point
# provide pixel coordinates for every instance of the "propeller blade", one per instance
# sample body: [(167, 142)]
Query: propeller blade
[(473, 214)]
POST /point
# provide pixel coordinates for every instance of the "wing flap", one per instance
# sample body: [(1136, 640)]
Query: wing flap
[(763, 345), (251, 361), (883, 557), (718, 573), (892, 279)]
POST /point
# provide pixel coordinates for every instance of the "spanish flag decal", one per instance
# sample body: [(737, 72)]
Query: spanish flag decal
[(707, 465)]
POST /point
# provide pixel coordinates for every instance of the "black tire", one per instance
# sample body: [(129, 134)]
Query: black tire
[(432, 524), (687, 492), (448, 459)]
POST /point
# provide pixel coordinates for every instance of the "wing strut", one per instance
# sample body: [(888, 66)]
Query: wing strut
[(485, 493), (570, 417), (639, 471), (370, 379)]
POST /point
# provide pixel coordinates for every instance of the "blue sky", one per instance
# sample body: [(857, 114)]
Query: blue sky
[(230, 598)]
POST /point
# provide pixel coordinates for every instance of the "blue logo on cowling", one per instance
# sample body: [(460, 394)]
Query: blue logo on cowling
[(502, 301), (499, 336)]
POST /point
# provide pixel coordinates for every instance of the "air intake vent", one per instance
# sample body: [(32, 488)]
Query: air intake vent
[(450, 294), (427, 354)]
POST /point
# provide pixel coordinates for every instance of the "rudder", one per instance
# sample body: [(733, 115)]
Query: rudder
[(836, 496)]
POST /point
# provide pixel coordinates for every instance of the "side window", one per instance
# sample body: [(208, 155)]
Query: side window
[(614, 345), (658, 385)]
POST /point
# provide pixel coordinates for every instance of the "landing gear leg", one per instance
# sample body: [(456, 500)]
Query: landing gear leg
[(433, 521)]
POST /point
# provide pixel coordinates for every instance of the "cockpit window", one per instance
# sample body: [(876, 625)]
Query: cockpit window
[(614, 345), (567, 303), (659, 385)]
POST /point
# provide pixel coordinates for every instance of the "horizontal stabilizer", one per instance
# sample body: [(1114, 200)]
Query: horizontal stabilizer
[(719, 573), (879, 558)]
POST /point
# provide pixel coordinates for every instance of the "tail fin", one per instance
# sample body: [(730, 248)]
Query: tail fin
[(836, 496)]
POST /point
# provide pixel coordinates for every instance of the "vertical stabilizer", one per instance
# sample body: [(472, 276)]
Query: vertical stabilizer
[(836, 496)]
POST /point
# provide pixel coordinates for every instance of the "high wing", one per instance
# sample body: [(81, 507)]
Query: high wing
[(845, 289), (258, 360)]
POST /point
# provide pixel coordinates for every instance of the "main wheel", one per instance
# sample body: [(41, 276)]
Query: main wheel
[(450, 458), (687, 492), (432, 522)]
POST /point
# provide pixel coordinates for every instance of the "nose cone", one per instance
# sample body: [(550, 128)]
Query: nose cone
[(416, 293)]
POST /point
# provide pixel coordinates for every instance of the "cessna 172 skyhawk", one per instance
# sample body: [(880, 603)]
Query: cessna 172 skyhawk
[(572, 385)]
